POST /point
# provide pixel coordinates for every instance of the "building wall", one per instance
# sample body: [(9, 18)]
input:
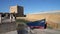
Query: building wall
[(18, 10), (13, 9), (7, 27)]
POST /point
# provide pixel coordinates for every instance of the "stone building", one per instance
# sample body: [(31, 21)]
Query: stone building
[(18, 10)]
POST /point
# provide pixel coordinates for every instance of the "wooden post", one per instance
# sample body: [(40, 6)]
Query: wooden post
[(0, 18), (13, 18), (10, 18)]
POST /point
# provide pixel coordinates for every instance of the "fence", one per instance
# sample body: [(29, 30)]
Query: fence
[(5, 19)]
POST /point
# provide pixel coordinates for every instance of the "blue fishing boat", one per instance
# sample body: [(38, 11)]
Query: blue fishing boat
[(37, 24)]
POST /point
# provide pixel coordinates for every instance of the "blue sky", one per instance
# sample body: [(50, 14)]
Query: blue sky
[(31, 6)]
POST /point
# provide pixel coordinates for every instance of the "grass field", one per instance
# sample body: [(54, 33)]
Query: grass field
[(22, 20)]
